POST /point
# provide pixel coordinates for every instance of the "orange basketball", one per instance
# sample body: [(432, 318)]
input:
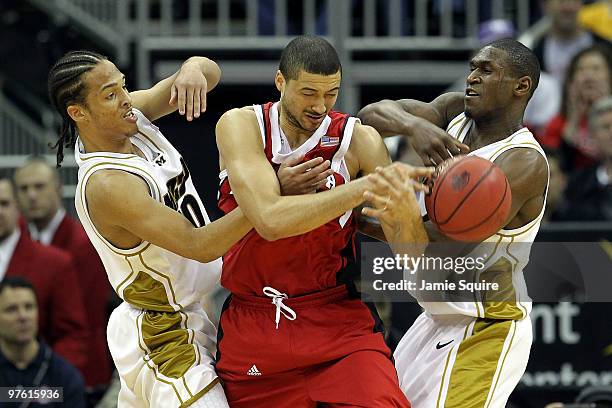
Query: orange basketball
[(469, 199)]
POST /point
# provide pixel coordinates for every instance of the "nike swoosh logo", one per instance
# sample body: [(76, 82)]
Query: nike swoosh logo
[(439, 346)]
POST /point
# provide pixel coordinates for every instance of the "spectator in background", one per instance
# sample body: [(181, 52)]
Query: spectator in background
[(556, 185), (24, 360), (564, 38), (40, 202), (597, 17), (61, 312), (588, 79), (589, 192)]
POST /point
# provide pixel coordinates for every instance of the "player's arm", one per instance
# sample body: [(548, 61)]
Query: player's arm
[(399, 215), (527, 174), (185, 90), (123, 202), (257, 190), (421, 122)]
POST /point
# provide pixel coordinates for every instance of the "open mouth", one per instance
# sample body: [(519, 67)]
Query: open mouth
[(130, 116), (470, 93)]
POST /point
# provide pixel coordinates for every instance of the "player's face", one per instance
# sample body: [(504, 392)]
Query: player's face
[(603, 134), (108, 106), (8, 210), (18, 315), (306, 100), (38, 192), (489, 87)]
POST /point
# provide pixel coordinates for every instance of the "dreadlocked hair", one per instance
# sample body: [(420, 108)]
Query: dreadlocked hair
[(65, 87)]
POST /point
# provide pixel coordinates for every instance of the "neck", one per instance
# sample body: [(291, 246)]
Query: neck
[(20, 354), (42, 223), (491, 131), (96, 142), (561, 34), (294, 133)]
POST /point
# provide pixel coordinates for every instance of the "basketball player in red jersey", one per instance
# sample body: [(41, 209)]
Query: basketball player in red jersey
[(294, 332), (473, 354)]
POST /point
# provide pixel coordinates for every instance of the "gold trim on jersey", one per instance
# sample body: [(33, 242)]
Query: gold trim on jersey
[(146, 360), (147, 293), (187, 387), (514, 146), (149, 139), (533, 223), (461, 129), (455, 122), (501, 304), (168, 343), (501, 368), (101, 156), (201, 393), (476, 364), (95, 230), (166, 277)]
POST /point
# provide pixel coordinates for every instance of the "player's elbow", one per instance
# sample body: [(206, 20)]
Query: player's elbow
[(269, 232), (269, 228), (369, 112)]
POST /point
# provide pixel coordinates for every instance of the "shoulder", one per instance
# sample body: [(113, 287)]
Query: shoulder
[(238, 127), (365, 136), (244, 114), (65, 374), (367, 150), (109, 184), (525, 168), (448, 106)]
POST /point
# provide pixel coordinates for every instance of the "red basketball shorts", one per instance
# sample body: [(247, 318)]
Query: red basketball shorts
[(333, 354)]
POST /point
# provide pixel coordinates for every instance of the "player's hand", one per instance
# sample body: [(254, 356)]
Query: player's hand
[(392, 196), (188, 91), (434, 145), (303, 178)]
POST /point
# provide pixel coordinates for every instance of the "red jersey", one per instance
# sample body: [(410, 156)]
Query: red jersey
[(320, 259)]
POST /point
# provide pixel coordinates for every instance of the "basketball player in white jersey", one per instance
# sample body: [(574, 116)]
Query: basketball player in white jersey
[(138, 205), (472, 354)]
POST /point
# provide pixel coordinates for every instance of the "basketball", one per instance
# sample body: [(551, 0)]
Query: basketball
[(469, 198)]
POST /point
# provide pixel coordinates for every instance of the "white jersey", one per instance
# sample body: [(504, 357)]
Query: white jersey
[(147, 276), (510, 247)]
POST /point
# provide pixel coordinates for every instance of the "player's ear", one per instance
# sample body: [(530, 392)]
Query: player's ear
[(76, 112), (523, 86), (279, 81)]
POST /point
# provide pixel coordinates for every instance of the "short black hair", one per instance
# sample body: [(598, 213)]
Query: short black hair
[(523, 62), (16, 282), (309, 53)]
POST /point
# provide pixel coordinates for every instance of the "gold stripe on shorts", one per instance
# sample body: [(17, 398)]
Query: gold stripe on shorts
[(476, 363)]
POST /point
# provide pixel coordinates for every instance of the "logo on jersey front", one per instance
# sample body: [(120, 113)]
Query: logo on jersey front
[(254, 371), (160, 160), (331, 182), (329, 141)]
